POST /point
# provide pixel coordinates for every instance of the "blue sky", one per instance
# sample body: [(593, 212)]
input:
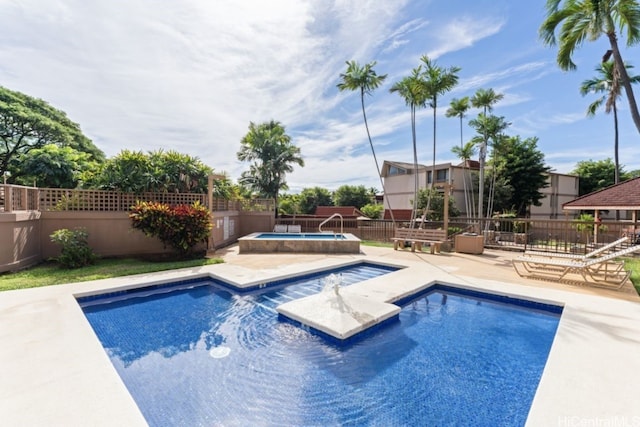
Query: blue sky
[(190, 75)]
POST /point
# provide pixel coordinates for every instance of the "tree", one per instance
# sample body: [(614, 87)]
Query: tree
[(581, 20), (352, 195), (289, 204), (435, 199), (310, 198), (492, 129), (175, 172), (465, 153), (522, 166), (373, 211), (596, 175), (28, 123), (458, 108), (437, 82), (270, 149), (412, 90), (485, 99), (607, 84), (156, 171), (52, 166), (365, 79)]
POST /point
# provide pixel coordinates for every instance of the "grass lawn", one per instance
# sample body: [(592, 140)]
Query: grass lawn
[(633, 265), (51, 273)]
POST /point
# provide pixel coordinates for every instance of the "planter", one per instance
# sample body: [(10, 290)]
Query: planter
[(469, 244)]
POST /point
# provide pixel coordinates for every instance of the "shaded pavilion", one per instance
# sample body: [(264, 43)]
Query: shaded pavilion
[(624, 196)]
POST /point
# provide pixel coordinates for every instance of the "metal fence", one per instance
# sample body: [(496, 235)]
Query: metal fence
[(519, 234)]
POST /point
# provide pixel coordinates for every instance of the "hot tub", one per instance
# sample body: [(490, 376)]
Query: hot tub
[(329, 243)]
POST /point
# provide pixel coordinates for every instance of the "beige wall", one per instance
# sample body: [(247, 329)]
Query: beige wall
[(110, 233), (562, 189), (400, 188), (25, 240), (19, 240)]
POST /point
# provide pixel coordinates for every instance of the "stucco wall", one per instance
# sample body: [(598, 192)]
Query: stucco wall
[(110, 233), (24, 236), (19, 240)]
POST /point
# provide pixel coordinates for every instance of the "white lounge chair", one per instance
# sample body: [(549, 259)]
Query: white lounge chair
[(294, 228), (600, 271), (280, 228), (582, 257)]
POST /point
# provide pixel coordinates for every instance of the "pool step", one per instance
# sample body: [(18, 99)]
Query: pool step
[(271, 300)]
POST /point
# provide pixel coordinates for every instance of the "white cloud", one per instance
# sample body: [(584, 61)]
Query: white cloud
[(461, 33), (191, 75)]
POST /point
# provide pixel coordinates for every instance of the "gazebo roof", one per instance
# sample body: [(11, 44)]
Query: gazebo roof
[(622, 196)]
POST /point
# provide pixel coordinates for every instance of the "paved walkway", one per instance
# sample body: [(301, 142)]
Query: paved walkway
[(491, 265)]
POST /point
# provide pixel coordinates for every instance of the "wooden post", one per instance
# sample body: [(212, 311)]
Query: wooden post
[(445, 225), (210, 185), (596, 227), (8, 198), (445, 211)]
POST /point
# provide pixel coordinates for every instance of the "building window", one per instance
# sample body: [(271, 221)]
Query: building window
[(393, 170), (442, 175)]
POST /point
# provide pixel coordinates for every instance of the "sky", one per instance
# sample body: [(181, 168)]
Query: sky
[(190, 75)]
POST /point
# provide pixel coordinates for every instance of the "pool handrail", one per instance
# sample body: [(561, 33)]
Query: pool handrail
[(329, 219)]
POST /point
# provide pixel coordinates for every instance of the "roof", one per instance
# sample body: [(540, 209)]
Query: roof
[(398, 214), (345, 211), (408, 167), (387, 164), (621, 196)]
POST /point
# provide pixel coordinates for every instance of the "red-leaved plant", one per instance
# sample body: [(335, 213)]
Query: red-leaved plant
[(181, 227)]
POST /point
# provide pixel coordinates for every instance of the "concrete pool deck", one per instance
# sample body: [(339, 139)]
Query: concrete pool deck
[(54, 371)]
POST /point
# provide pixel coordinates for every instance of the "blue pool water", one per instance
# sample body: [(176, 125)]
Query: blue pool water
[(204, 355), (303, 236)]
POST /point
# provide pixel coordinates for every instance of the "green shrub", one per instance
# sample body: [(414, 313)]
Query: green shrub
[(372, 211), (180, 227), (76, 251)]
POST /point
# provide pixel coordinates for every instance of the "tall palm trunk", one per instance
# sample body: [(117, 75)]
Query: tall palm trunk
[(416, 182), (375, 158), (624, 77), (616, 176), (616, 173)]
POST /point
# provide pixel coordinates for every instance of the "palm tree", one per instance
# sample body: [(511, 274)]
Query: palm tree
[(490, 128), (485, 99), (365, 79), (465, 153), (458, 108), (437, 81), (273, 156), (588, 20), (412, 90), (607, 83)]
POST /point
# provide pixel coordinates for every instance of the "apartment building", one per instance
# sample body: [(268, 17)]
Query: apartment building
[(400, 177)]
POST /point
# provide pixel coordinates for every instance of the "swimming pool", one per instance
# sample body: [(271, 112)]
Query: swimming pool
[(299, 242), (204, 355)]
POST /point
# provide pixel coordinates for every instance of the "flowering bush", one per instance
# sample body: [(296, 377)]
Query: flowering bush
[(182, 227)]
